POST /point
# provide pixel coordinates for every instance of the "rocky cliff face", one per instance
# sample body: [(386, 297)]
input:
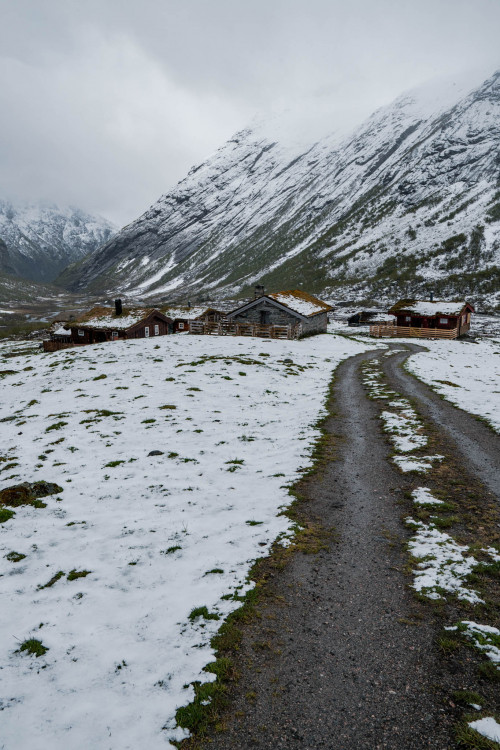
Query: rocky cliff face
[(407, 202), (38, 241)]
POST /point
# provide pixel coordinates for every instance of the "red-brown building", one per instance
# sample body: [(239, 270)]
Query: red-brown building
[(104, 324), (427, 319)]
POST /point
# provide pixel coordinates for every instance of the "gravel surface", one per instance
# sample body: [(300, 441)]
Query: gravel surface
[(342, 656)]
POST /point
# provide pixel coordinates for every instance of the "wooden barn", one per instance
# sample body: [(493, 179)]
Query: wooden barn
[(427, 319), (290, 314), (108, 324)]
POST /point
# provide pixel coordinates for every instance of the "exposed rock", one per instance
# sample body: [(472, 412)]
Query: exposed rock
[(155, 453), (27, 493)]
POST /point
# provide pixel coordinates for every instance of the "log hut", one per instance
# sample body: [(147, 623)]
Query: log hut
[(290, 314), (108, 324), (427, 319)]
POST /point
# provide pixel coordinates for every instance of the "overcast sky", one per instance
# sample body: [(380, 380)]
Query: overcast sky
[(106, 104)]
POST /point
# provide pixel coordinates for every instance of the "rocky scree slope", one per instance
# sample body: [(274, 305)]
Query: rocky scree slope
[(407, 202), (38, 241)]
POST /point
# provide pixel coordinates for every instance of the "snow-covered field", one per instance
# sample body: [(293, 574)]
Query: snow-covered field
[(152, 537)]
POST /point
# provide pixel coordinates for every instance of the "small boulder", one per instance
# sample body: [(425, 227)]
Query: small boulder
[(27, 493), (155, 453)]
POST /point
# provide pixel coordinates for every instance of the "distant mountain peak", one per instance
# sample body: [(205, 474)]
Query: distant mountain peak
[(41, 239)]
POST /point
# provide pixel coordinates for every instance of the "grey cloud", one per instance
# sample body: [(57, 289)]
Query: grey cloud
[(107, 104)]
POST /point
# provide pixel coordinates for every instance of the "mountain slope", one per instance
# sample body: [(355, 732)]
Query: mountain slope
[(37, 241), (410, 199)]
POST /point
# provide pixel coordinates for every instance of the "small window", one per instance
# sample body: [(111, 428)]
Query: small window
[(408, 318), (181, 326), (157, 330), (80, 332), (114, 334), (146, 331), (443, 321)]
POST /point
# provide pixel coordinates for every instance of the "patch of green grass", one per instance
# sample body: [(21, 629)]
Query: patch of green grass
[(254, 523), (148, 421), (34, 647), (447, 382), (467, 737), (202, 612), (56, 426), (467, 697), (112, 464), (74, 574), (214, 571), (52, 581), (6, 514), (15, 557), (171, 550), (168, 406), (488, 671), (100, 377), (172, 454)]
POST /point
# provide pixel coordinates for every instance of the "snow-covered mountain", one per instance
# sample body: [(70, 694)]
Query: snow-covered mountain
[(37, 241), (408, 201)]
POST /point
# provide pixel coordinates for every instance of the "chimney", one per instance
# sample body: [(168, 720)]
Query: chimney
[(258, 290), (189, 304), (118, 306), (431, 297)]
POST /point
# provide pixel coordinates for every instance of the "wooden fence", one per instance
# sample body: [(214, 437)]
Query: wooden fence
[(391, 330), (54, 346), (231, 328)]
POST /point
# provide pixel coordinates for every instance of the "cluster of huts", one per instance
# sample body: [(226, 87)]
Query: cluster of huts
[(290, 314)]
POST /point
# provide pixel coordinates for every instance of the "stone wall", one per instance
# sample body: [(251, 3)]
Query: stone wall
[(316, 324)]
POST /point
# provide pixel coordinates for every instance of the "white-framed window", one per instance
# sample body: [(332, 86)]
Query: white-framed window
[(408, 318), (181, 326), (114, 334), (146, 331), (157, 330), (443, 321), (80, 332)]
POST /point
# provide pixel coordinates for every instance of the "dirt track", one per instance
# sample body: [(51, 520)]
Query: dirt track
[(342, 656)]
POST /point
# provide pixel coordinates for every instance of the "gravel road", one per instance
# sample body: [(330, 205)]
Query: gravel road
[(342, 656)]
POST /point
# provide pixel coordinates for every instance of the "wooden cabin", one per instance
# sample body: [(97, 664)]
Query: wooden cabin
[(427, 319), (290, 314), (182, 316), (108, 324)]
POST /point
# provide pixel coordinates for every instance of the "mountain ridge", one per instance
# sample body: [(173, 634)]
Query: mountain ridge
[(408, 200), (40, 239)]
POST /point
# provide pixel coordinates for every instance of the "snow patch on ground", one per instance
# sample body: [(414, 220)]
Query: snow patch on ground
[(444, 564), (488, 727), (423, 496), (486, 638), (404, 429)]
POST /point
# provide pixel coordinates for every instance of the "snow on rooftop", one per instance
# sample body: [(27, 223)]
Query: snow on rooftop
[(187, 313), (106, 318), (301, 302), (439, 307)]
